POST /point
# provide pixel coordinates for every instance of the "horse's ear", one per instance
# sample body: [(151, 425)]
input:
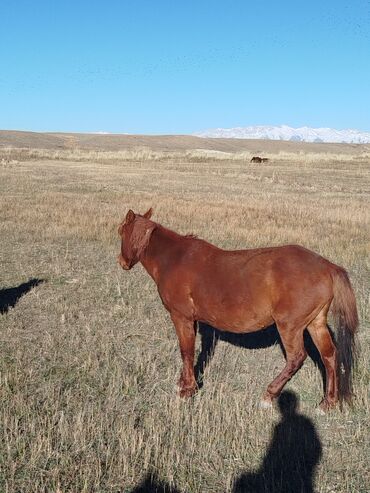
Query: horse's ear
[(130, 216), (148, 214)]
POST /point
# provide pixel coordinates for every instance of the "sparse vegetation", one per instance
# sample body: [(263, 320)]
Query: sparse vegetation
[(89, 358), (139, 154)]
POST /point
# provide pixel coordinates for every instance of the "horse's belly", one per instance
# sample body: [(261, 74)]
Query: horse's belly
[(235, 318)]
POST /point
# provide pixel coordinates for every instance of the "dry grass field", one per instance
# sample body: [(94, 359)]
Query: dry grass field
[(89, 357)]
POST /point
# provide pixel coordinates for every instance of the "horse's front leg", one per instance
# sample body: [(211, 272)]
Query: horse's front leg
[(186, 332)]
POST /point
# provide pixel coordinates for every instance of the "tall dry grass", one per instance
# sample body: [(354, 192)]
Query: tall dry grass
[(89, 358), (139, 154)]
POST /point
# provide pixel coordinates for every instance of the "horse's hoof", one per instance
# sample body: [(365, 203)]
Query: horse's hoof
[(187, 392), (266, 404), (325, 406)]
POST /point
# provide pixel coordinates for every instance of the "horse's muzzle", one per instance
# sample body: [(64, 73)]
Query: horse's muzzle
[(122, 262)]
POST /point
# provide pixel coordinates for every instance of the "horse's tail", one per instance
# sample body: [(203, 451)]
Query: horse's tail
[(344, 311)]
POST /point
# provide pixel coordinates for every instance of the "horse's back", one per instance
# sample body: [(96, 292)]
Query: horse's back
[(291, 266), (240, 290), (262, 268), (257, 284), (301, 283)]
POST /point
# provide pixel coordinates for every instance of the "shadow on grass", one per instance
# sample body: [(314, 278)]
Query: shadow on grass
[(289, 465), (265, 338), (292, 457), (210, 337), (9, 297)]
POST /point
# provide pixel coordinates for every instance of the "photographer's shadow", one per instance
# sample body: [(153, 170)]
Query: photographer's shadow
[(292, 457), (152, 484)]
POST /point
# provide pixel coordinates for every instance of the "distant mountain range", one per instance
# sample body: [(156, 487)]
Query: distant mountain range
[(283, 132)]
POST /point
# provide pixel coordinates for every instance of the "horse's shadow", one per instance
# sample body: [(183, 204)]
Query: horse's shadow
[(291, 459), (9, 297), (268, 337)]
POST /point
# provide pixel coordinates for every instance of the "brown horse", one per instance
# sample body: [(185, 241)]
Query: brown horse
[(257, 159), (247, 290)]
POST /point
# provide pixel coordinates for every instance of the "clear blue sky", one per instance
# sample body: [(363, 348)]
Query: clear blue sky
[(179, 66)]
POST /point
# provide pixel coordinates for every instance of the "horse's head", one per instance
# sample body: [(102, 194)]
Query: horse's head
[(135, 232)]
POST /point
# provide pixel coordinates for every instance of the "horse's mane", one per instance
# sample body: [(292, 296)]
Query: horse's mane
[(141, 234)]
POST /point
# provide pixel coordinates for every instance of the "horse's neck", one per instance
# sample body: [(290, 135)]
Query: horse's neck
[(161, 244)]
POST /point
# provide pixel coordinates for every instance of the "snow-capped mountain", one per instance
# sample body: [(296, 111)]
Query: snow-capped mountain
[(283, 132)]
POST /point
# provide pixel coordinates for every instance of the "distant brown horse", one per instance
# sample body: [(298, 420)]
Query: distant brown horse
[(257, 159), (247, 290)]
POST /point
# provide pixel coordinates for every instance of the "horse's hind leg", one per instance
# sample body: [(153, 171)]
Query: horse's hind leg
[(320, 334), (292, 339)]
